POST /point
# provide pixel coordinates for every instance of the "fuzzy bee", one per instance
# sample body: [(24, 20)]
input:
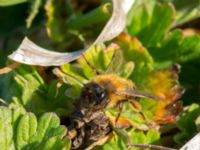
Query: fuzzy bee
[(88, 123)]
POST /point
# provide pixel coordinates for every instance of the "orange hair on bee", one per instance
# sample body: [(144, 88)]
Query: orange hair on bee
[(112, 83)]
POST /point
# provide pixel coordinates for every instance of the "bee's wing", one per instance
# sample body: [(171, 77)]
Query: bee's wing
[(116, 63), (140, 94)]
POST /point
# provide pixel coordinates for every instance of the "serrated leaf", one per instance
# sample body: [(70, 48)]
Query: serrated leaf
[(97, 57), (136, 53), (139, 137), (140, 16), (153, 137), (115, 143), (154, 33), (169, 90), (76, 71), (25, 130), (6, 131), (128, 69), (158, 24), (31, 92), (48, 127), (186, 10), (176, 49), (186, 124), (28, 81), (55, 143), (45, 124), (117, 63), (130, 116), (28, 132)]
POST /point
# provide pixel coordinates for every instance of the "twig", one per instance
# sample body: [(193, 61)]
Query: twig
[(9, 68), (153, 147)]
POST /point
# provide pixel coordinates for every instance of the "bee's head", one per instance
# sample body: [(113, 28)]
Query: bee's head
[(95, 94)]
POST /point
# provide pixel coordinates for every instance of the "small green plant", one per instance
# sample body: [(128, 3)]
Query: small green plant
[(152, 53)]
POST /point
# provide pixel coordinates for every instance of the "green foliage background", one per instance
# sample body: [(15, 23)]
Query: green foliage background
[(35, 101)]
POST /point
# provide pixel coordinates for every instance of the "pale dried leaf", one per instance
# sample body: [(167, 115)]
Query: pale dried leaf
[(31, 54), (193, 144)]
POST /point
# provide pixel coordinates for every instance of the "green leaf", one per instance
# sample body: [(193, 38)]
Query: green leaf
[(56, 13), (128, 69), (28, 82), (139, 18), (6, 131), (36, 4), (98, 58), (55, 143), (26, 128), (119, 139), (186, 10), (173, 47), (115, 143), (28, 132), (139, 137), (11, 2), (186, 124), (134, 52), (153, 137), (45, 124), (176, 49), (155, 26), (31, 92), (152, 28), (48, 127), (197, 123), (130, 115), (117, 63)]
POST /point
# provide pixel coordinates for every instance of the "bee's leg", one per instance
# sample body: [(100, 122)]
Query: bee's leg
[(99, 142), (138, 109), (144, 117), (97, 72), (125, 136), (120, 107)]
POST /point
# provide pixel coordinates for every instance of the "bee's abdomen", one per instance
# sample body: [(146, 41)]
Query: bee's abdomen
[(93, 128)]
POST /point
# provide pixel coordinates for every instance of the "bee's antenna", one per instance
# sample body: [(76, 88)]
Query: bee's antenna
[(97, 72), (59, 72)]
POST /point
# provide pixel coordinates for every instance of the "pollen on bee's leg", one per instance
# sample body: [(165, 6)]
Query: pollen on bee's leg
[(99, 142), (72, 134)]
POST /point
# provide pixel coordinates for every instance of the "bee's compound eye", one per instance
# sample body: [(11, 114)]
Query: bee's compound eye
[(100, 94), (103, 95), (94, 93)]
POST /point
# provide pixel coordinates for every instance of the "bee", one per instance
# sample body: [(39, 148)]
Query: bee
[(88, 122)]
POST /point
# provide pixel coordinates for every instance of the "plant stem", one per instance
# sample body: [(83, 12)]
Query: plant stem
[(98, 15)]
